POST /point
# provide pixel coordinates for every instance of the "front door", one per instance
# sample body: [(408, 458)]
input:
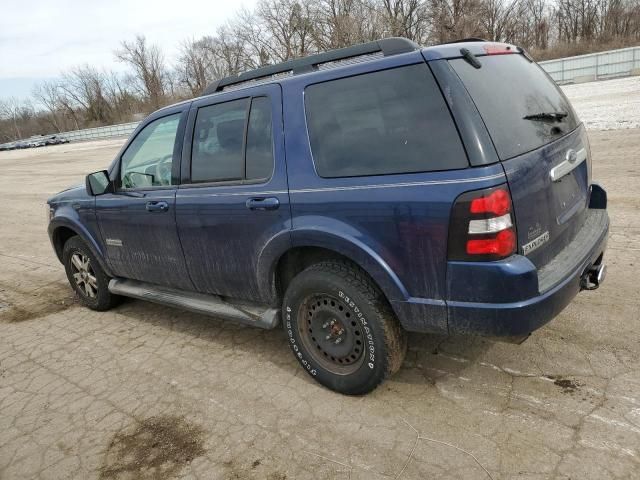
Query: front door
[(233, 203), (138, 221)]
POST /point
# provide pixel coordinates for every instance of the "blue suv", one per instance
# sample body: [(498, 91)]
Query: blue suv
[(353, 196)]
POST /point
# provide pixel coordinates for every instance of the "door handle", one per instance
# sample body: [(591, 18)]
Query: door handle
[(263, 203), (157, 206)]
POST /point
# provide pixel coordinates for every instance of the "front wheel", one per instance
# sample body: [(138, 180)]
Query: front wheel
[(86, 276), (341, 328)]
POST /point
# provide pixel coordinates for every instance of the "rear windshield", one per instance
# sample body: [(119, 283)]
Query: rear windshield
[(508, 88), (386, 122)]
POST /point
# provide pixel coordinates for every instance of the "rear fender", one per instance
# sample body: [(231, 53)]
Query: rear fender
[(345, 241)]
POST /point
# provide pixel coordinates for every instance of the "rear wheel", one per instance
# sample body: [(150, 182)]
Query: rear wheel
[(341, 328), (86, 276)]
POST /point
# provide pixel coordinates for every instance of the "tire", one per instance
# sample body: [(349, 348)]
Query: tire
[(341, 328), (90, 283)]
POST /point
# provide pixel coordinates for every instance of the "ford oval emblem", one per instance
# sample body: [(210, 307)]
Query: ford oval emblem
[(571, 156)]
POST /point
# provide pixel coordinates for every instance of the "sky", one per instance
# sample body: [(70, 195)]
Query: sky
[(41, 38)]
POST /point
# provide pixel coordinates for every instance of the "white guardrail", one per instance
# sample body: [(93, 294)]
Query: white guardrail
[(594, 66), (120, 130)]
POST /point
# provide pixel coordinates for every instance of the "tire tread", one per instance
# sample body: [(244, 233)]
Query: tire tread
[(395, 338)]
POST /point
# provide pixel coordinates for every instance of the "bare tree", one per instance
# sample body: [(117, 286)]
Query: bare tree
[(85, 86), (10, 109), (455, 19), (47, 94), (196, 64), (149, 70), (340, 23), (289, 26), (497, 18), (406, 18), (119, 95), (231, 55)]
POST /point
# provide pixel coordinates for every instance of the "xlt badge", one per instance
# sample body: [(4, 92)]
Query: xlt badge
[(527, 248), (114, 242)]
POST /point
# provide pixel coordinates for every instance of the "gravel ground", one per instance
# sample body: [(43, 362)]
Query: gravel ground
[(148, 392), (608, 104)]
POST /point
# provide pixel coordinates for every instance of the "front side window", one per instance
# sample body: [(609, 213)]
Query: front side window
[(148, 159), (387, 122)]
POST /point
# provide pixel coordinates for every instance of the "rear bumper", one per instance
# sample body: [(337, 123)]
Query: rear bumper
[(553, 287)]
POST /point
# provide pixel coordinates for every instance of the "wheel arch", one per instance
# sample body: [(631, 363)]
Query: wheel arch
[(62, 229), (328, 247)]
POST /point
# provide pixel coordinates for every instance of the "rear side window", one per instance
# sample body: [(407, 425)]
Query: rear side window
[(259, 156), (218, 139), (227, 148), (393, 121), (508, 88)]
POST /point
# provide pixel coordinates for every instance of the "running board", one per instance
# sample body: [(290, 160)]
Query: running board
[(212, 305)]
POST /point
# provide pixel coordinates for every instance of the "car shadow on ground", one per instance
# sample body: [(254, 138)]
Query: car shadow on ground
[(429, 357)]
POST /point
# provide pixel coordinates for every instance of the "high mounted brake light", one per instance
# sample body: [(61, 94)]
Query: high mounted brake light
[(498, 49), (481, 226)]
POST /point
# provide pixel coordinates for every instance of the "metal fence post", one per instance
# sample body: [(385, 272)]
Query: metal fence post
[(597, 62)]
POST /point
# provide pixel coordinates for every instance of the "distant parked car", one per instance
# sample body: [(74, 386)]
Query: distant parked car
[(55, 140)]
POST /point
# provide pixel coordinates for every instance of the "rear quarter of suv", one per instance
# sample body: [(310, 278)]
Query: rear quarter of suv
[(356, 195)]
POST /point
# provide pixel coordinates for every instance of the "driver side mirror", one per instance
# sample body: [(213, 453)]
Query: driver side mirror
[(98, 183)]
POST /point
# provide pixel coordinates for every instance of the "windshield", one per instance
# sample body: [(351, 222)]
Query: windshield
[(508, 88)]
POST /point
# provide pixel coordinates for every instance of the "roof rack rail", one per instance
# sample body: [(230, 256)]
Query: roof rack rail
[(388, 46), (464, 40)]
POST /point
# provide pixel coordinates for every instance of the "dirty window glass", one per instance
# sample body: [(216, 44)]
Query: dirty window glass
[(218, 139), (259, 156), (508, 88), (393, 121), (148, 159)]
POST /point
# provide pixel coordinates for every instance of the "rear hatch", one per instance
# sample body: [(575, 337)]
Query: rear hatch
[(542, 145)]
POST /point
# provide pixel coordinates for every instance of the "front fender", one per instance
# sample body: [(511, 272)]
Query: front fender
[(68, 217), (344, 239)]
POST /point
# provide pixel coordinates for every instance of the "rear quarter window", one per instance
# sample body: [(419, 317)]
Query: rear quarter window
[(388, 122), (506, 89)]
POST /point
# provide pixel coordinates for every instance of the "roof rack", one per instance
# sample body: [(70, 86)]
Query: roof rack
[(388, 46)]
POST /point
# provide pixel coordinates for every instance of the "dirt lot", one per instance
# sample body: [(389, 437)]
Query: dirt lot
[(150, 392), (607, 104)]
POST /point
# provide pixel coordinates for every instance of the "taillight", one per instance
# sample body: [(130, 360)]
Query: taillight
[(503, 244), (497, 202), (482, 226)]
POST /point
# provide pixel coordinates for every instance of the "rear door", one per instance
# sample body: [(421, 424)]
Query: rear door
[(542, 145), (233, 203)]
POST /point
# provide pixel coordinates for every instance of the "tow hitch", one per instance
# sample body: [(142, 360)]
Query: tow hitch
[(593, 277)]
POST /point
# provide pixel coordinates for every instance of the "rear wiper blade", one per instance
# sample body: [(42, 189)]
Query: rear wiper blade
[(554, 116), (470, 58)]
